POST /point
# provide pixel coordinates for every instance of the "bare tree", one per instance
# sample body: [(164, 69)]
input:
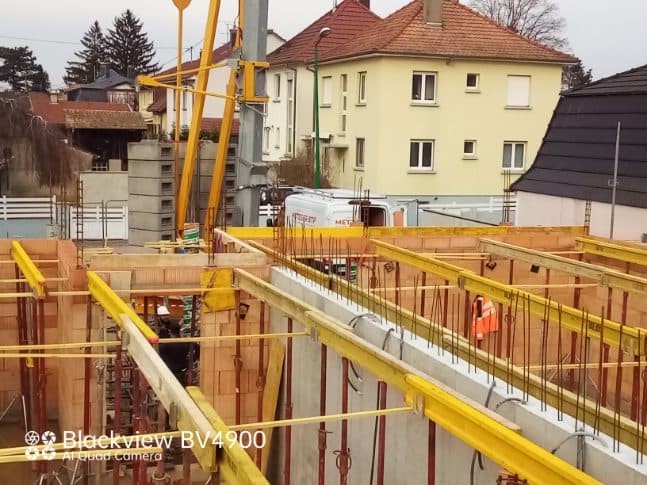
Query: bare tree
[(538, 20)]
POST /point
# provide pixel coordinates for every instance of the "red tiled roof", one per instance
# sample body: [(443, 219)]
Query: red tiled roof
[(220, 54), (159, 105), (214, 124), (345, 22), (464, 34), (104, 120), (55, 112)]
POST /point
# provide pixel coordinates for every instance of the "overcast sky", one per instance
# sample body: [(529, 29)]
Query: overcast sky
[(608, 35)]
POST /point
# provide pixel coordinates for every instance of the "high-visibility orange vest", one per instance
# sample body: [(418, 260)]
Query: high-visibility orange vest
[(485, 323)]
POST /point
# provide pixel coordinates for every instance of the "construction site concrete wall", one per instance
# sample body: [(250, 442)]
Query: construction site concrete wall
[(407, 435)]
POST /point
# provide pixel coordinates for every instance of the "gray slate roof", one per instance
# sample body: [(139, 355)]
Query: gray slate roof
[(576, 157), (106, 82)]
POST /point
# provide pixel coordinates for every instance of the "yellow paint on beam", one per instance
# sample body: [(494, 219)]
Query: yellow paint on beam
[(274, 373), (32, 274), (55, 356), (629, 254)]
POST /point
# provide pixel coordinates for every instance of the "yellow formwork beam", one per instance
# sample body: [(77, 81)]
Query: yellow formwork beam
[(28, 268), (629, 254), (191, 412), (357, 232), (482, 430), (235, 464), (116, 307), (571, 318), (464, 349), (603, 276)]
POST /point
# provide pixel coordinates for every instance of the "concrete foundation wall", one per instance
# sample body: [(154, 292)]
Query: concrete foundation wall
[(406, 441)]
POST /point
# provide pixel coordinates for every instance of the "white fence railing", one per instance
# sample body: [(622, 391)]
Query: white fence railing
[(100, 221)]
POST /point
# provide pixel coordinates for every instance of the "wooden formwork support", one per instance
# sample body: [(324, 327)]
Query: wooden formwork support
[(500, 367), (477, 426), (629, 254), (601, 275)]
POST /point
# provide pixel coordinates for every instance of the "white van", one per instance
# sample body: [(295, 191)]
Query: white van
[(341, 208)]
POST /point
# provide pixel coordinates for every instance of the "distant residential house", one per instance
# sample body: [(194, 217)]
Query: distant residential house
[(35, 159), (575, 164), (152, 106), (102, 129), (218, 78), (110, 87), (289, 124), (435, 101)]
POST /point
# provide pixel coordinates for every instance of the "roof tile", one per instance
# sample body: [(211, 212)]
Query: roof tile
[(55, 112)]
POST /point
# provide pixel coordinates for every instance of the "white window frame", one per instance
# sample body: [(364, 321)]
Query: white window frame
[(343, 104), (513, 146), (423, 88), (469, 155), (360, 162), (277, 87), (511, 103), (325, 97), (419, 167), (267, 131), (361, 88), (475, 88), (290, 116), (184, 99)]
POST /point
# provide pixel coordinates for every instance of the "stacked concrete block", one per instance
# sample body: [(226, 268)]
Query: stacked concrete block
[(151, 192)]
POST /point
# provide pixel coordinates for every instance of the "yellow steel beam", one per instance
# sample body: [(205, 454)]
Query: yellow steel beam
[(32, 274), (196, 117), (30, 355), (439, 335), (221, 156), (328, 418), (602, 275), (115, 306), (571, 318), (355, 232), (468, 421), (629, 254)]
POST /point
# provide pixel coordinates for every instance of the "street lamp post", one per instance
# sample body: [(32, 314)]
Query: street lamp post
[(322, 33)]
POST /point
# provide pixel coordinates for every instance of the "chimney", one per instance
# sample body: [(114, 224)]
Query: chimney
[(104, 70), (130, 73), (433, 12), (53, 97), (366, 3)]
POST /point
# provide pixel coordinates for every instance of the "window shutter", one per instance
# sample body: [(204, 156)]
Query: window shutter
[(518, 91)]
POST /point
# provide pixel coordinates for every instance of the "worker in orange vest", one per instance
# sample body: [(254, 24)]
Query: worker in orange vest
[(484, 318)]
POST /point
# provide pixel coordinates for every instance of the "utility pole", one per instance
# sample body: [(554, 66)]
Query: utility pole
[(251, 170), (615, 182)]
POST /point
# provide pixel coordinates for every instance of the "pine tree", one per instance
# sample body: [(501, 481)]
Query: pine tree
[(129, 47), (87, 69), (20, 71), (576, 76)]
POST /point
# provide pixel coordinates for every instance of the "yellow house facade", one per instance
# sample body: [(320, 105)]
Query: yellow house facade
[(435, 101), (454, 143)]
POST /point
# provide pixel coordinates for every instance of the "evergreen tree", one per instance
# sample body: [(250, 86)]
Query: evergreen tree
[(576, 76), (18, 68), (87, 69), (129, 47)]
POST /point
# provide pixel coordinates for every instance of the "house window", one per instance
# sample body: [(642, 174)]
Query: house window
[(343, 117), (326, 91), (99, 165), (277, 87), (361, 88), (266, 139), (359, 152), (277, 141), (469, 148), (472, 82), (421, 155), (518, 92), (290, 131), (184, 100), (514, 155), (423, 87)]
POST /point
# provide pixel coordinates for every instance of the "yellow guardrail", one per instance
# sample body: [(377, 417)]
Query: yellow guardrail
[(32, 274), (115, 306)]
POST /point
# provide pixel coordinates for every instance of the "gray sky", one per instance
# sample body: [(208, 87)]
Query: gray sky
[(608, 35)]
